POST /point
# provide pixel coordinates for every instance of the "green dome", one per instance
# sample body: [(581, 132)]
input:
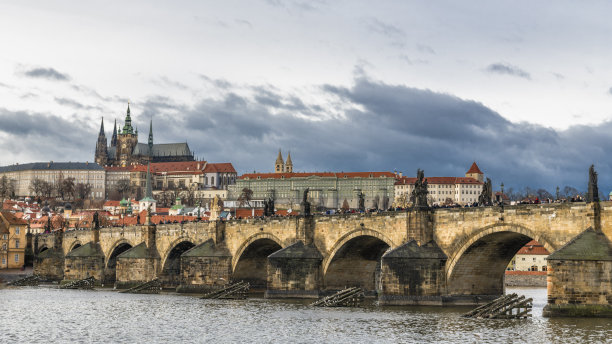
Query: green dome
[(123, 202)]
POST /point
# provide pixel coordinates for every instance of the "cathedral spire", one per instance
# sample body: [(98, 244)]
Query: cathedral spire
[(149, 191), (127, 126), (114, 137), (101, 128), (289, 164), (151, 134)]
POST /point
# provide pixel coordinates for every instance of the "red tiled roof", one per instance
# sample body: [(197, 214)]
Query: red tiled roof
[(178, 167), (224, 167), (474, 169), (117, 168), (317, 174), (12, 219), (438, 180), (533, 247)]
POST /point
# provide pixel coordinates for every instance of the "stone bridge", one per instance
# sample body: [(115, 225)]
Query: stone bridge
[(441, 256)]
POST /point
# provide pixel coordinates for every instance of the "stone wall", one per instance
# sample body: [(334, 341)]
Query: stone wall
[(77, 268), (202, 274), (134, 271)]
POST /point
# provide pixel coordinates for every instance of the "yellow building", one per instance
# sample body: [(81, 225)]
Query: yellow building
[(12, 241)]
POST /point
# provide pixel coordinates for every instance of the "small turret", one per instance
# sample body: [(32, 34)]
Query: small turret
[(475, 173)]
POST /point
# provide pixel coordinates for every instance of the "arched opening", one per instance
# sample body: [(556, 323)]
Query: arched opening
[(75, 246), (480, 269), (356, 264), (110, 273), (171, 272), (42, 249), (252, 265)]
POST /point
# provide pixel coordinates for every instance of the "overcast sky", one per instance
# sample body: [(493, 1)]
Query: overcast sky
[(523, 88)]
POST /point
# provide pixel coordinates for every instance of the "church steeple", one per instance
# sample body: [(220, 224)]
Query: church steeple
[(279, 165), (151, 135), (101, 128), (114, 137), (289, 164), (127, 126)]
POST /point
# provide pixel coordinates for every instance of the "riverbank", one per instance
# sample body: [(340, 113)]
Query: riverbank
[(536, 279)]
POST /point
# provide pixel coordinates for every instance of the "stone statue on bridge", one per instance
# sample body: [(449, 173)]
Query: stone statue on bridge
[(269, 207), (593, 193), (420, 193), (486, 195), (305, 204), (361, 202), (96, 220)]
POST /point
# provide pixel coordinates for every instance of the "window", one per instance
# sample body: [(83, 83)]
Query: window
[(544, 268), (3, 261), (16, 243), (17, 230), (16, 257), (534, 259), (523, 259), (3, 246)]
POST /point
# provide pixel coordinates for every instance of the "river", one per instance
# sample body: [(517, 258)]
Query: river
[(43, 315)]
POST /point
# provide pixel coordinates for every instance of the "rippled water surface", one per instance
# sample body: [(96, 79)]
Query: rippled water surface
[(34, 315)]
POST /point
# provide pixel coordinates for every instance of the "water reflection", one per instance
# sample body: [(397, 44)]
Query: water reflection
[(71, 316)]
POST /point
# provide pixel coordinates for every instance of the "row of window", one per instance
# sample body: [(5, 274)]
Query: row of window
[(16, 259)]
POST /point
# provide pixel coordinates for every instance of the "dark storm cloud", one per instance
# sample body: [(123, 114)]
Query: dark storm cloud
[(391, 127), (46, 73), (37, 137), (504, 68)]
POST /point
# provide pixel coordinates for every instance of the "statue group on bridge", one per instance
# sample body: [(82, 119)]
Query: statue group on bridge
[(419, 193)]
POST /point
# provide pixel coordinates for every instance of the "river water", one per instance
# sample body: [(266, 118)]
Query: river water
[(37, 315)]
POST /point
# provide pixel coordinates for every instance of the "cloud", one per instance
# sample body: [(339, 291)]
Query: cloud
[(28, 136), (75, 105), (379, 127), (504, 68), (385, 29), (46, 73), (610, 90)]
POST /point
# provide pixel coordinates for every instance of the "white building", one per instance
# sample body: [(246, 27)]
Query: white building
[(22, 175), (458, 190)]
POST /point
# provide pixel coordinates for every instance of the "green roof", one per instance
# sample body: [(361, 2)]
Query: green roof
[(207, 249), (412, 250), (90, 249), (298, 251), (139, 251), (588, 245)]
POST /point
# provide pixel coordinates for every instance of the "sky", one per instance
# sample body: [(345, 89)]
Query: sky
[(523, 88)]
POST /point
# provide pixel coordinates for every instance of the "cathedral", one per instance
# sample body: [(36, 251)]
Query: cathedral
[(125, 150)]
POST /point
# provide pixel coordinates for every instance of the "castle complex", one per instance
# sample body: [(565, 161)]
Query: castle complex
[(125, 150)]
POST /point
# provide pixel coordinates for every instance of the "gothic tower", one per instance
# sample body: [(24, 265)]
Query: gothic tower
[(101, 156), (289, 164), (126, 141), (114, 138), (279, 165)]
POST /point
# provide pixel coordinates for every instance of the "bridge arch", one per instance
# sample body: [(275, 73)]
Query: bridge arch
[(110, 271), (74, 246), (354, 260), (171, 266), (478, 264), (42, 249), (250, 263)]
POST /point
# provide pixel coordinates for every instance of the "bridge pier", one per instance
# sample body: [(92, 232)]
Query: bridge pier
[(413, 275), (85, 261), (579, 277), (205, 267), (294, 272), (140, 263), (49, 263)]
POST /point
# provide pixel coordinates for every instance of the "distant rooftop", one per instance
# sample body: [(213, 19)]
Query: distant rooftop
[(50, 165)]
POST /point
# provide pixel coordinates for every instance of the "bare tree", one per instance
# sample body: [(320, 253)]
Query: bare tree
[(122, 186), (82, 190), (245, 197), (67, 188), (36, 186), (7, 188), (47, 189)]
